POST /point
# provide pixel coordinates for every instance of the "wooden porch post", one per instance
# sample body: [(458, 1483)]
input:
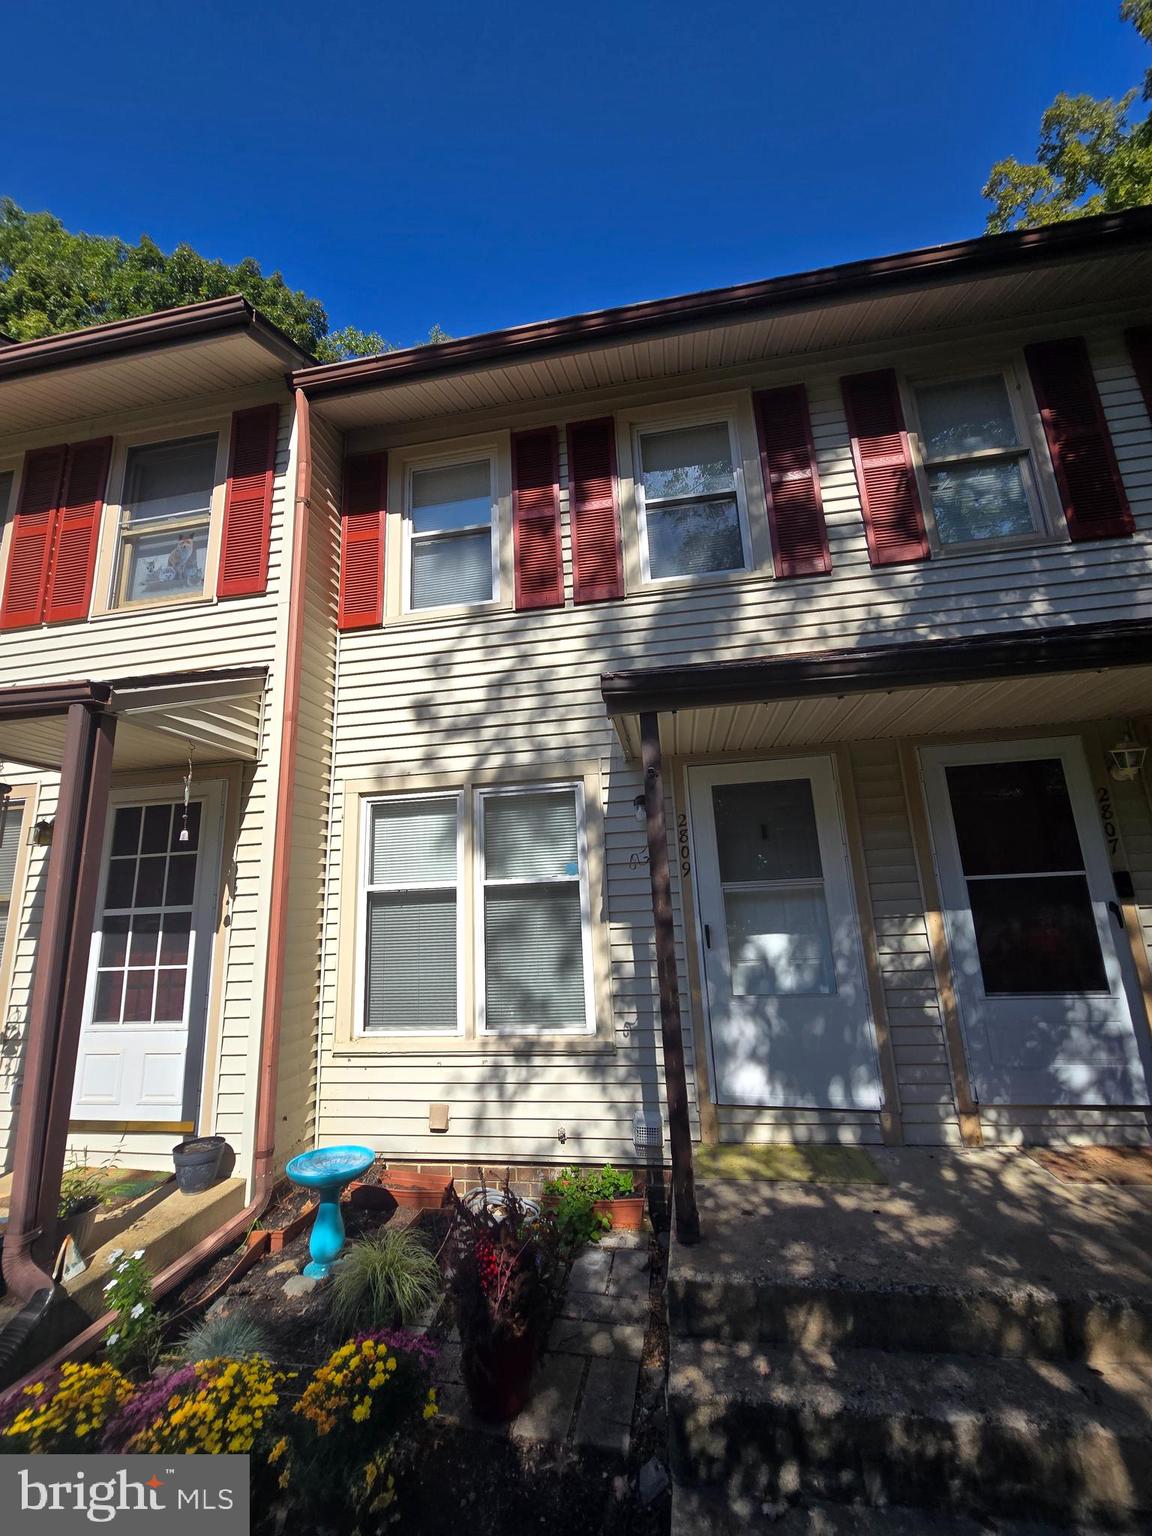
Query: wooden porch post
[(57, 996), (671, 1032)]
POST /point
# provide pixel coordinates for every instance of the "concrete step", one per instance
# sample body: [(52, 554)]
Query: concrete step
[(832, 1311), (708, 1512), (1022, 1439)]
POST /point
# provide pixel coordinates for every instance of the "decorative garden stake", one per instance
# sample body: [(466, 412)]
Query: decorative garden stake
[(326, 1171)]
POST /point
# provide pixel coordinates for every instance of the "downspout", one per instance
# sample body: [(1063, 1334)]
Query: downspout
[(263, 1179)]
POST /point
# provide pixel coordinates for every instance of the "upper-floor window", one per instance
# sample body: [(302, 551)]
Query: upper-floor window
[(450, 526), (689, 501), (165, 514), (977, 464)]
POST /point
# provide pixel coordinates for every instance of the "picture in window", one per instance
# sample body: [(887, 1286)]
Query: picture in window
[(164, 520)]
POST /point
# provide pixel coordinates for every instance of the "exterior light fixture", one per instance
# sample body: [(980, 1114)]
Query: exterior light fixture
[(640, 806), (1126, 759), (42, 833)]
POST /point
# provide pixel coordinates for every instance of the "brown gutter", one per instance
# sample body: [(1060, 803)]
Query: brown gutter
[(50, 698), (956, 262), (870, 669), (145, 333)]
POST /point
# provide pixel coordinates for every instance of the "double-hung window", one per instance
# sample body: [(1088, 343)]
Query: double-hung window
[(165, 514), (450, 526), (688, 500), (976, 461), (533, 927), (412, 926)]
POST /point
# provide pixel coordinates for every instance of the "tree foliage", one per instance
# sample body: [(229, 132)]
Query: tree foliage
[(1094, 156), (53, 280)]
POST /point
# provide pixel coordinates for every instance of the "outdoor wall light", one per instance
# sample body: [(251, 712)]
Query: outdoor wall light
[(42, 833), (640, 806), (1126, 759)]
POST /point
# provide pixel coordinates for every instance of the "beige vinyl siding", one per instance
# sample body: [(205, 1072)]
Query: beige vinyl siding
[(175, 638), (518, 694)]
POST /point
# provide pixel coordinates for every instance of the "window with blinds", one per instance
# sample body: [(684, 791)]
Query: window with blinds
[(534, 966), (411, 942), (450, 535), (11, 820)]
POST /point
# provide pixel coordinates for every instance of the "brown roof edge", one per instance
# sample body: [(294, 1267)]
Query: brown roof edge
[(146, 333), (871, 669), (962, 259), (50, 698)]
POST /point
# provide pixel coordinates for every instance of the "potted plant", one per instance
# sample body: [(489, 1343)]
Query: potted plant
[(588, 1201), (501, 1274), (80, 1198)]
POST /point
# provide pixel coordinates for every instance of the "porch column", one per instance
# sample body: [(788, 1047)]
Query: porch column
[(671, 1032), (56, 1007)]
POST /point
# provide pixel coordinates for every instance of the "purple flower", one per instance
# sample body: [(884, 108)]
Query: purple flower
[(146, 1405), (418, 1345)]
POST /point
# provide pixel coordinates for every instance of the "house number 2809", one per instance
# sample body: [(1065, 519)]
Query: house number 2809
[(682, 844), (1107, 818)]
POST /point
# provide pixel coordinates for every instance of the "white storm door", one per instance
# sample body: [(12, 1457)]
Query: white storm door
[(788, 1006), (142, 1039), (1041, 962)]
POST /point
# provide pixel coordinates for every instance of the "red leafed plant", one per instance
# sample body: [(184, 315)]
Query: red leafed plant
[(502, 1269)]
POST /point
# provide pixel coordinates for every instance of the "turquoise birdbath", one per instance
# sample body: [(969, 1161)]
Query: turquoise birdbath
[(326, 1171)]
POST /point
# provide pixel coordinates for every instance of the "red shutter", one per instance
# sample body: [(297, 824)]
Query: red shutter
[(248, 503), (73, 564), (1140, 349), (30, 545), (791, 483), (597, 571), (362, 540), (889, 496), (1083, 458), (536, 520)]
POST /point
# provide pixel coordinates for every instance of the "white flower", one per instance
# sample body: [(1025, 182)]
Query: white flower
[(111, 1286), (137, 1310), (139, 1254), (111, 1339), (117, 1253), (120, 1268)]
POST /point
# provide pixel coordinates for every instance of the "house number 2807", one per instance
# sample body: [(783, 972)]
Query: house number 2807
[(1108, 818)]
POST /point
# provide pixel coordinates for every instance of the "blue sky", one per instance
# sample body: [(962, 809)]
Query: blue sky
[(481, 165)]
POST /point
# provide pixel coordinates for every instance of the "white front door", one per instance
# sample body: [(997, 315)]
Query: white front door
[(142, 1040), (1041, 963), (787, 1001)]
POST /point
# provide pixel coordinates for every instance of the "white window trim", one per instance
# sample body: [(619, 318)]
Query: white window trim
[(366, 888), (480, 794), (415, 466), (1027, 455), (108, 557), (703, 418)]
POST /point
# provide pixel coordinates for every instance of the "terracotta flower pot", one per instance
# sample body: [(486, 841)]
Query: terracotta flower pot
[(410, 1187), (498, 1375), (625, 1212)]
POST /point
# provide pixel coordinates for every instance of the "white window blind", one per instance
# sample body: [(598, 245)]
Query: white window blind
[(10, 824), (411, 941), (450, 515), (165, 518), (534, 938)]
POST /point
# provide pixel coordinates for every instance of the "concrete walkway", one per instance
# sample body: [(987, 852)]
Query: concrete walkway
[(969, 1219)]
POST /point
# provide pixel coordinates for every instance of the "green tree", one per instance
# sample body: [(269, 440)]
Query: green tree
[(1094, 156), (53, 280)]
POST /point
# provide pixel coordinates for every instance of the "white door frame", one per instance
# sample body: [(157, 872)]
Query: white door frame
[(212, 792), (821, 770), (1119, 967)]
